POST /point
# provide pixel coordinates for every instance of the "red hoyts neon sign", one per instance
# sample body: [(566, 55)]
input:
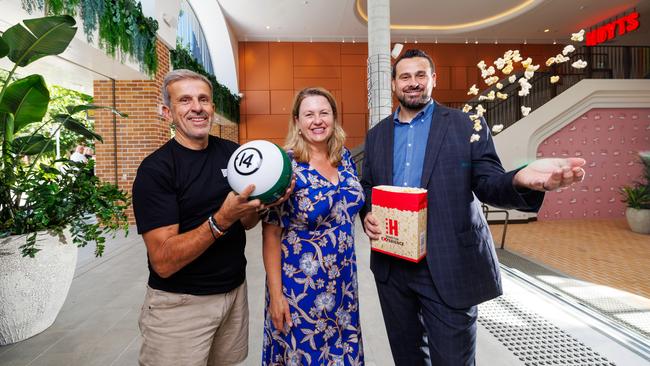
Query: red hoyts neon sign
[(608, 31)]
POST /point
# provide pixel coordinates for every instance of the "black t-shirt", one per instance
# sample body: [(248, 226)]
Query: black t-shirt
[(177, 185)]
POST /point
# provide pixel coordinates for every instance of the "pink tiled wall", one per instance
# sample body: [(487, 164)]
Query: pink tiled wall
[(609, 139)]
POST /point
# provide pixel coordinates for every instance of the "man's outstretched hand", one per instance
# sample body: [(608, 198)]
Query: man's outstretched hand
[(550, 174)]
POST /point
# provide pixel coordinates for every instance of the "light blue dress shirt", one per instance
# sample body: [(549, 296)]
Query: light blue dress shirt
[(410, 144)]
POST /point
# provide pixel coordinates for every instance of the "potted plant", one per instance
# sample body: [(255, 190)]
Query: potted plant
[(637, 198), (44, 202)]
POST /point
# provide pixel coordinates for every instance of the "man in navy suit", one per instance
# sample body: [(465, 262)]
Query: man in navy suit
[(424, 144)]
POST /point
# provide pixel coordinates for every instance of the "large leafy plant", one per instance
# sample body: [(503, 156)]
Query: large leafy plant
[(37, 192), (638, 195)]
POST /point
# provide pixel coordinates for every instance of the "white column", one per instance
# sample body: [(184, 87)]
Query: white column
[(379, 93)]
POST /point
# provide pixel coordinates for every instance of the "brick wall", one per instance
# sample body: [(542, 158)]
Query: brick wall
[(139, 134), (143, 131)]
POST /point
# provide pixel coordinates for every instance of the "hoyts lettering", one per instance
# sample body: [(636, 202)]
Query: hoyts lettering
[(608, 31), (392, 227)]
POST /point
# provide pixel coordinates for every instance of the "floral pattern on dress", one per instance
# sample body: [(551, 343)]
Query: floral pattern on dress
[(319, 271)]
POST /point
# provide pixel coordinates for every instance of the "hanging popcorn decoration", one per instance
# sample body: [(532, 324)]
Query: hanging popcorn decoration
[(506, 65), (497, 128)]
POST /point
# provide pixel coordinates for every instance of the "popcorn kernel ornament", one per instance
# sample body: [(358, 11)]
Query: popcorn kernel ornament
[(487, 72), (560, 58), (473, 90), (489, 96), (580, 64), (525, 63), (508, 69), (491, 80), (525, 110), (578, 37), (502, 96), (528, 74), (568, 49), (480, 110), (467, 108), (497, 128), (500, 63), (499, 86), (550, 61), (474, 138), (512, 79), (477, 125), (554, 79)]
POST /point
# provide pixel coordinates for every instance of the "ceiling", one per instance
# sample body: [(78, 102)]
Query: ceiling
[(458, 21)]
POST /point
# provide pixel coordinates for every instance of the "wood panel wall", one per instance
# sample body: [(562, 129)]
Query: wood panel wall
[(270, 74)]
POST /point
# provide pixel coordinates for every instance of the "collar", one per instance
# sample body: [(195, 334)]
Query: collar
[(426, 111)]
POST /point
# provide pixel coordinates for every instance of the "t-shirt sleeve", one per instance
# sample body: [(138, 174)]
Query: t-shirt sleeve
[(155, 202)]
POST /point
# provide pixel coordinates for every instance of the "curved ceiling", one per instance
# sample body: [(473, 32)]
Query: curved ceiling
[(450, 17), (485, 21)]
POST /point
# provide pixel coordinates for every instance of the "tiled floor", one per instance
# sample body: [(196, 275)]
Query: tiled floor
[(604, 252)]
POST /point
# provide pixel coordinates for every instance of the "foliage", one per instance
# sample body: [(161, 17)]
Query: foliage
[(638, 195), (226, 103), (121, 23), (37, 193), (60, 99)]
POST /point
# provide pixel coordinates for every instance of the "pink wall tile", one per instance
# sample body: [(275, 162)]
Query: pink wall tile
[(609, 139)]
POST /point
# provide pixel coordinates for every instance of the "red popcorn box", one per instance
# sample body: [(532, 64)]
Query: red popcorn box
[(402, 216)]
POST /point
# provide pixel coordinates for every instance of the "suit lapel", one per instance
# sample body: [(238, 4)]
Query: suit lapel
[(439, 124)]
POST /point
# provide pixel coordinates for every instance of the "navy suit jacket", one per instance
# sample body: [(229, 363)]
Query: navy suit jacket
[(460, 251)]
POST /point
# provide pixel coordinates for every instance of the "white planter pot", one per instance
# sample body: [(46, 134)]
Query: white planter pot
[(639, 220), (32, 290)]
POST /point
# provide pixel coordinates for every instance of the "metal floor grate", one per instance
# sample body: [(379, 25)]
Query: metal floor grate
[(532, 339)]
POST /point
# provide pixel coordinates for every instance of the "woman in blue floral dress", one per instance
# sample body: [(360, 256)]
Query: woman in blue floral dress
[(312, 303)]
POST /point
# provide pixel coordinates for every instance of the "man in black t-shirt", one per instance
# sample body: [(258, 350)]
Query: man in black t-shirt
[(195, 310)]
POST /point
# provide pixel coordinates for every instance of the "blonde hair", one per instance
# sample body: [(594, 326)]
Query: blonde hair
[(296, 141)]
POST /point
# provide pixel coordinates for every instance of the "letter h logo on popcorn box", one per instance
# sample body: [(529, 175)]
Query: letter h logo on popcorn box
[(403, 213)]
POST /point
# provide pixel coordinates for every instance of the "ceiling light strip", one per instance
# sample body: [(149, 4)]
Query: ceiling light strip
[(479, 22)]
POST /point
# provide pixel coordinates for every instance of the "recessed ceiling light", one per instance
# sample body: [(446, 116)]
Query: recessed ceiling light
[(546, 30), (466, 41), (268, 27), (475, 41)]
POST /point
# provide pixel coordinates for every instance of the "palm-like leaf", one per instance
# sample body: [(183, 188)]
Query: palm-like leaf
[(85, 107), (4, 48), (32, 145), (41, 37), (75, 126), (27, 99)]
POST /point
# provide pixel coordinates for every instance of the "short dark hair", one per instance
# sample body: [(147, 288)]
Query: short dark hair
[(410, 54)]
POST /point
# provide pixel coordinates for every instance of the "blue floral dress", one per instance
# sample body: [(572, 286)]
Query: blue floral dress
[(319, 271)]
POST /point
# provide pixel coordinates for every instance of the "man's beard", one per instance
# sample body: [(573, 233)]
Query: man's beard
[(415, 105)]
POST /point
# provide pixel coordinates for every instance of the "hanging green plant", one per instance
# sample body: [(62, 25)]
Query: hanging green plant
[(121, 23), (226, 103)]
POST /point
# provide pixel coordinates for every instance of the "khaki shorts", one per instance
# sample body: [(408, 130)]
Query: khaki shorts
[(182, 329)]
